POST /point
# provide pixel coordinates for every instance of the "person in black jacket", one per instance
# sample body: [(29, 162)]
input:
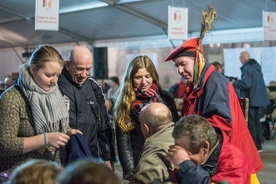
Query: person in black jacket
[(86, 104), (139, 87)]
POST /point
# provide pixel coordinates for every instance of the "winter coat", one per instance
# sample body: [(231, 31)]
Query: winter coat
[(252, 85), (153, 166), (215, 99), (88, 114)]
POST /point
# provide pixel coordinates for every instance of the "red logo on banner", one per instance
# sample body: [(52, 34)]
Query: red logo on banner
[(47, 3)]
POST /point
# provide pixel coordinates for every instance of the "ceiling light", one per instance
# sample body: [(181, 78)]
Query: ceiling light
[(84, 6)]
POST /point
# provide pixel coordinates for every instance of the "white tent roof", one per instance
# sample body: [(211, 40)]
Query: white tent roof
[(98, 20)]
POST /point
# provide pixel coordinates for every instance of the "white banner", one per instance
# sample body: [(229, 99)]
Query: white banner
[(269, 25), (47, 15), (178, 23)]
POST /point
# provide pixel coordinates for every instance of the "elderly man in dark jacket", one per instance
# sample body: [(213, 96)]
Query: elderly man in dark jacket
[(252, 86), (86, 104)]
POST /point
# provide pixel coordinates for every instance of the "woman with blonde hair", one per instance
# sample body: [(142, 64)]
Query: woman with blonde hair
[(34, 120), (139, 87)]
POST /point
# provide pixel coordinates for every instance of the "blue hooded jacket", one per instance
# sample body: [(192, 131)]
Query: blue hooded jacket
[(252, 85)]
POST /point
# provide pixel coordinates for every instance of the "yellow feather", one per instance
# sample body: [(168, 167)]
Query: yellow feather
[(207, 22)]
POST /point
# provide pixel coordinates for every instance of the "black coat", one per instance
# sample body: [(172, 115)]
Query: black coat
[(86, 103)]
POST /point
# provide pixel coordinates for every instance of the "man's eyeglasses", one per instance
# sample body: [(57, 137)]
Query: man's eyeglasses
[(79, 70)]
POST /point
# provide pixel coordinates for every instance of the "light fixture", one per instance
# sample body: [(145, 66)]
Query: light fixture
[(28, 52)]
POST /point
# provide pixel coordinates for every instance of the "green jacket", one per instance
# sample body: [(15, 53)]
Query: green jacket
[(152, 164)]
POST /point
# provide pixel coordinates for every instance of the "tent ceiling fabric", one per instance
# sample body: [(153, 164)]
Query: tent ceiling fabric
[(116, 19)]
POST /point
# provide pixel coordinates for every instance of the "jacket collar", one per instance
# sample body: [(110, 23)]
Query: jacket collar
[(212, 162)]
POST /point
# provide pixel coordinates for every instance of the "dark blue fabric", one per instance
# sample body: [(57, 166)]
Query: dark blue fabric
[(4, 177), (190, 173), (77, 149), (252, 84), (215, 97)]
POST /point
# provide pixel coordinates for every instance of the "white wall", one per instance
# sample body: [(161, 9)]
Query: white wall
[(10, 61), (265, 56)]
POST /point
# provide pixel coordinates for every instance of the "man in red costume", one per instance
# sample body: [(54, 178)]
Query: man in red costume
[(212, 96)]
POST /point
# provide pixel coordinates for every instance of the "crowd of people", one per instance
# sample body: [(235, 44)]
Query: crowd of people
[(54, 100)]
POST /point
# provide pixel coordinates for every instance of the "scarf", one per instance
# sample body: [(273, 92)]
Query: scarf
[(48, 108), (198, 64), (143, 98)]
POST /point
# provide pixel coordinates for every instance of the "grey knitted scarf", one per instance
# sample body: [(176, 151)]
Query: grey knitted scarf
[(48, 108)]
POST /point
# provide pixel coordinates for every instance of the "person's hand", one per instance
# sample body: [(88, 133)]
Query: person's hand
[(126, 182), (72, 132), (178, 103), (108, 104), (129, 177), (57, 139), (112, 165), (176, 154), (108, 165)]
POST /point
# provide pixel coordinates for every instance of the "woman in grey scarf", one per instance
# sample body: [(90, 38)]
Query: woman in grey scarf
[(34, 120)]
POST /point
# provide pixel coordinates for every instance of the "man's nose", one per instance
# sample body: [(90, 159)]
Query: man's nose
[(180, 69), (84, 73)]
